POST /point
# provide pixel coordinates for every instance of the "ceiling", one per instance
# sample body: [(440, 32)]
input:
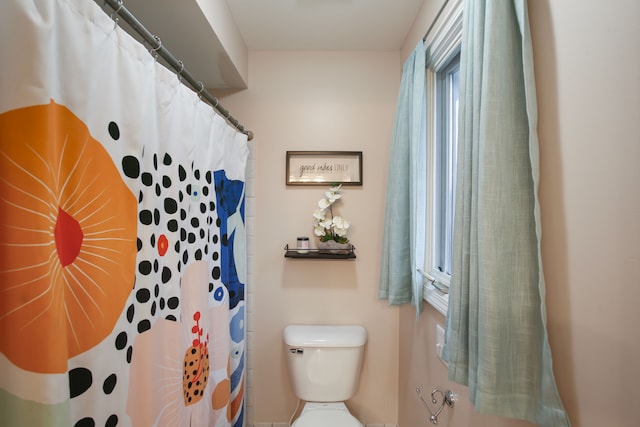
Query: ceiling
[(271, 25), (324, 24)]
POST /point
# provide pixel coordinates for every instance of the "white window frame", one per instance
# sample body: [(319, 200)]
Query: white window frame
[(441, 47)]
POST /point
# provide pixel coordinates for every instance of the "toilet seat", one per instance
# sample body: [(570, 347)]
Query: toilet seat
[(326, 414)]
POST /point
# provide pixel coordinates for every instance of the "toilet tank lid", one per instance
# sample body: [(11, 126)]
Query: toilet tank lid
[(325, 335)]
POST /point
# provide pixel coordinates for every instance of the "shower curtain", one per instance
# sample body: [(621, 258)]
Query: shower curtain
[(122, 236)]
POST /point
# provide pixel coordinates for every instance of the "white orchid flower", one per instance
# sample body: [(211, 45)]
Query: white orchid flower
[(326, 224), (333, 227), (324, 204), (340, 232), (331, 196), (319, 215), (340, 226), (340, 222), (319, 231)]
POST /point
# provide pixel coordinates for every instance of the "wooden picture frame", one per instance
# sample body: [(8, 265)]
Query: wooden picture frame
[(324, 167)]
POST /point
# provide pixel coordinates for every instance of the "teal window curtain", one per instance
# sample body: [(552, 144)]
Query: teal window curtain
[(403, 242), (496, 339)]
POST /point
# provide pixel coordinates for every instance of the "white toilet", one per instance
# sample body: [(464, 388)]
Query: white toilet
[(324, 368)]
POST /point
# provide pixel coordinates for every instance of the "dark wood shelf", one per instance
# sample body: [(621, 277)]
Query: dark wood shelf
[(316, 254)]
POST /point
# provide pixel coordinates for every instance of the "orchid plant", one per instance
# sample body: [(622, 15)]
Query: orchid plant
[(327, 226)]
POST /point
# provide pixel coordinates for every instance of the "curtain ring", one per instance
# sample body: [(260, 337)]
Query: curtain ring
[(179, 72), (120, 4), (155, 49), (201, 91), (114, 14)]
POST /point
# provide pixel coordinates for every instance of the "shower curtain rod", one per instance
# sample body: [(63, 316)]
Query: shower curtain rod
[(424, 39), (178, 66)]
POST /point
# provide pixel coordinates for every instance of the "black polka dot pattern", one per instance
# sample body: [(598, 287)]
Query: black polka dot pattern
[(112, 421), (85, 422), (109, 384), (114, 130), (80, 380), (178, 224)]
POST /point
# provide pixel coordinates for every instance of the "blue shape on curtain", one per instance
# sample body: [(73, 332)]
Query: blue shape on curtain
[(236, 376), (237, 326), (230, 209), (230, 201), (240, 421)]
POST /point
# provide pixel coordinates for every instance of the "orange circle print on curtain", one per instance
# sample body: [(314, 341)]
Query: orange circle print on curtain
[(67, 238)]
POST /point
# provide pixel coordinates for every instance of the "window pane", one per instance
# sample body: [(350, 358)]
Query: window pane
[(448, 88)]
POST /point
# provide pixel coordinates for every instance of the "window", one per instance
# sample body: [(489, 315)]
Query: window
[(443, 91), (446, 144)]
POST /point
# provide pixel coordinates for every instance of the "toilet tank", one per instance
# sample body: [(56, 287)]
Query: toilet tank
[(324, 361)]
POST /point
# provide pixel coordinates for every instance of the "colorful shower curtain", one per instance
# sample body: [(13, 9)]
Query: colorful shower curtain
[(122, 236)]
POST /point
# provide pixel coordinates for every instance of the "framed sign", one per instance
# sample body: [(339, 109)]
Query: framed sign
[(324, 167)]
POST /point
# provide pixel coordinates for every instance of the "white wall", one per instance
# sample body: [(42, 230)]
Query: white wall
[(319, 101), (587, 65)]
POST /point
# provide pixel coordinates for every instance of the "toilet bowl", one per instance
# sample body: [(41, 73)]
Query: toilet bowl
[(335, 414)]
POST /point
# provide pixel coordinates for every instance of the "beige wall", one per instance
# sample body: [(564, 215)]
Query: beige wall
[(319, 101), (236, 53), (587, 59)]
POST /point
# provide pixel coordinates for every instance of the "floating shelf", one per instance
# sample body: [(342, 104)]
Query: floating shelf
[(316, 254)]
